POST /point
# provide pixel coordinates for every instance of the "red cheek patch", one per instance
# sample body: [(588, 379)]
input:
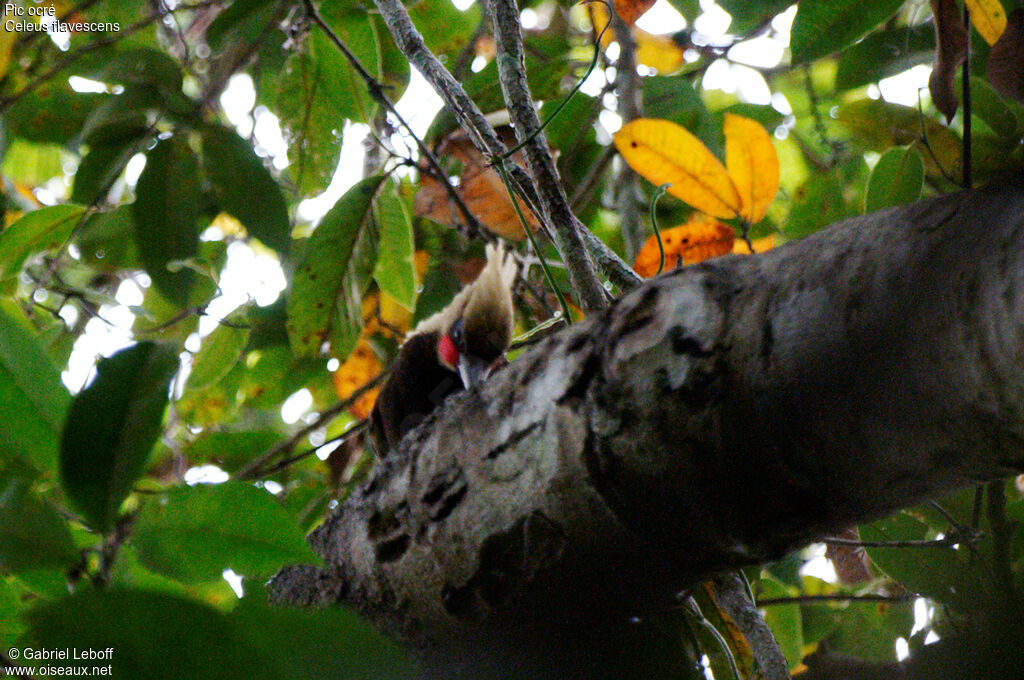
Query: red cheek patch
[(447, 350)]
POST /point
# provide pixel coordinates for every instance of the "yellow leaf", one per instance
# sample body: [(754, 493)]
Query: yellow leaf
[(663, 152), (762, 244), (988, 18), (7, 40), (659, 52), (753, 165), (361, 367), (599, 19), (699, 238), (227, 225)]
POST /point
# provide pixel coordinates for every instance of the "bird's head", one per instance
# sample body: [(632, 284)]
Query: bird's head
[(476, 328)]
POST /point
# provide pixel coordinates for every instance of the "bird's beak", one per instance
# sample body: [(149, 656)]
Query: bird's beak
[(472, 370)]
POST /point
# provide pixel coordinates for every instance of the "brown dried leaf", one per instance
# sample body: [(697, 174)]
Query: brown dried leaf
[(951, 41), (480, 188), (631, 10), (1006, 60)]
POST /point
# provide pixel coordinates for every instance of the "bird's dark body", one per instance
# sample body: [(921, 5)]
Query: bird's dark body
[(418, 384)]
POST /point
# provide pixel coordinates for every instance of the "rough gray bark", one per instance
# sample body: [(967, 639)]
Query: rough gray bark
[(720, 415)]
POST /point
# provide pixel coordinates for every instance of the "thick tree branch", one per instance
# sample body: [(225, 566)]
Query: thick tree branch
[(720, 415)]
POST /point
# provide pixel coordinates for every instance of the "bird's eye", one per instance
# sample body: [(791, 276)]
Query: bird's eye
[(457, 332)]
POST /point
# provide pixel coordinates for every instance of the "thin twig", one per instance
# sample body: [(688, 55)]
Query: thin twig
[(692, 611), (247, 472), (291, 460), (834, 597), (947, 542), (654, 226)]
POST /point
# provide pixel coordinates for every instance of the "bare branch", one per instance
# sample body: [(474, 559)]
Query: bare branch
[(554, 204)]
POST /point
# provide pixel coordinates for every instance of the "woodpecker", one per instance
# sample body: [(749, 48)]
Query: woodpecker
[(447, 352)]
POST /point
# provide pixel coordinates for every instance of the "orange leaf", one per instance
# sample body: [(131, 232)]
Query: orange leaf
[(760, 245), (631, 10), (699, 238), (361, 367), (988, 18), (480, 188), (753, 165), (663, 152)]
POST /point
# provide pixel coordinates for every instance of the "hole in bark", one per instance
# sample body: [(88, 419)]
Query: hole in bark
[(445, 491), (385, 521), (685, 344), (392, 549)]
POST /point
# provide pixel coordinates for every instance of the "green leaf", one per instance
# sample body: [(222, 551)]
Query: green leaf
[(748, 15), (39, 230), (822, 27), (933, 572), (98, 170), (324, 643), (990, 107), (166, 212), (11, 607), (880, 125), (151, 635), (326, 295), (220, 351), (785, 621), (445, 28), (108, 240), (31, 164), (122, 119), (231, 449), (141, 66), (243, 21), (440, 285), (268, 325), (245, 188), (817, 203), (197, 532), (34, 400), (312, 125), (111, 428), (885, 53), (673, 98), (32, 534), (354, 26), (896, 180), (394, 67), (868, 630), (396, 268), (50, 114)]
